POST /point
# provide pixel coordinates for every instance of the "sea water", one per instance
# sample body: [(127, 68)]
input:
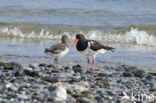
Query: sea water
[(27, 27)]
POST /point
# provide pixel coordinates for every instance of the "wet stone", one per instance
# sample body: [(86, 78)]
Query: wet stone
[(103, 75), (77, 69), (139, 73), (149, 77), (67, 68), (130, 68), (153, 74), (59, 93), (85, 100), (43, 65), (31, 72), (31, 66), (13, 65), (17, 73), (55, 71), (51, 79), (127, 74)]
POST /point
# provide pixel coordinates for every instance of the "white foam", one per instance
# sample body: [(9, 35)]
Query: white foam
[(134, 36), (16, 32)]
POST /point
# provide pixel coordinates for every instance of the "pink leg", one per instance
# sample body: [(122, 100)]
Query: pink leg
[(88, 64), (93, 64)]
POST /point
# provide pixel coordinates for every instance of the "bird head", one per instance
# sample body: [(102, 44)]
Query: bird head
[(78, 37)]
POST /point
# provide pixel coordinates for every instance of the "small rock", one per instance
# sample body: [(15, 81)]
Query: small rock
[(11, 87), (59, 93), (79, 87), (51, 79), (3, 65), (31, 66), (103, 82), (30, 72), (127, 74), (23, 96), (130, 68), (67, 68), (77, 69), (89, 96), (149, 77), (51, 99), (43, 65), (99, 69), (55, 71), (13, 65), (139, 73), (85, 100), (86, 94), (103, 75), (153, 74), (43, 91)]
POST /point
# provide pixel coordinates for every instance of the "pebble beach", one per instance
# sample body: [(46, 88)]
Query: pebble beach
[(41, 83)]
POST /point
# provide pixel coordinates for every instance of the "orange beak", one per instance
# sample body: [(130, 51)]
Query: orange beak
[(75, 42)]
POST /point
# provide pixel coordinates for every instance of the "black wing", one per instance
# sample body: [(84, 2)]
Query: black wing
[(94, 45), (56, 48)]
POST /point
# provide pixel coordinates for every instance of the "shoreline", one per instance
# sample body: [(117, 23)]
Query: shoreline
[(40, 82)]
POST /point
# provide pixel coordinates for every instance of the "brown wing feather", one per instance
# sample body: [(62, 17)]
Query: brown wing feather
[(56, 48)]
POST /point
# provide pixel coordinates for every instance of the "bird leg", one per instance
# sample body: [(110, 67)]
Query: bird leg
[(93, 64), (88, 64), (57, 62)]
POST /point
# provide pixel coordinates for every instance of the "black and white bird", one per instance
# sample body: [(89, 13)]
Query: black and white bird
[(90, 48), (58, 50)]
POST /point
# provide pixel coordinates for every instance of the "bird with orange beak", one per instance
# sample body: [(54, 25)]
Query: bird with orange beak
[(90, 48)]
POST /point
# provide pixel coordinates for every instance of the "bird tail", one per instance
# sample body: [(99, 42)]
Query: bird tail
[(109, 48), (112, 49), (46, 50)]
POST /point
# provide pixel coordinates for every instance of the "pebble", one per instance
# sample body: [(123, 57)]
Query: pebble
[(30, 72), (59, 93), (127, 74), (43, 65), (56, 71), (13, 65), (11, 87), (77, 69), (85, 100), (51, 79), (139, 73)]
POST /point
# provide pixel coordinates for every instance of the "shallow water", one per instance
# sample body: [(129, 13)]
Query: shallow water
[(32, 51), (27, 27)]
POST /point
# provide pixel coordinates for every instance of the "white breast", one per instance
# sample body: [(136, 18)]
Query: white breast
[(89, 52)]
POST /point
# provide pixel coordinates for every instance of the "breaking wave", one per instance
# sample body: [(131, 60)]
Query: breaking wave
[(133, 36)]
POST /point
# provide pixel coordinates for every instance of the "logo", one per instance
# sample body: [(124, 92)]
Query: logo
[(138, 97)]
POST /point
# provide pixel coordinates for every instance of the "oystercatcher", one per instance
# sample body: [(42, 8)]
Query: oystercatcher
[(90, 48), (58, 50)]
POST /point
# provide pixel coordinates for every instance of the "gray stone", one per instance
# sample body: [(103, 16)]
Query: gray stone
[(51, 79), (127, 74), (85, 100), (77, 69), (59, 93), (139, 73)]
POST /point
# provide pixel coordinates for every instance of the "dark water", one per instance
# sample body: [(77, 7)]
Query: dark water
[(79, 12), (27, 27)]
